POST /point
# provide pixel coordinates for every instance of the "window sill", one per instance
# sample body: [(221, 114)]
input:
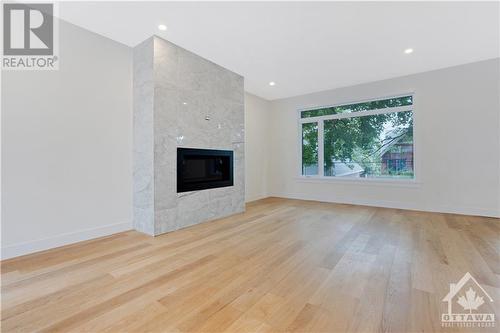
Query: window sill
[(411, 183)]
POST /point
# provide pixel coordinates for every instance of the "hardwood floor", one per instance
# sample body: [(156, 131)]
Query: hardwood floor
[(282, 266)]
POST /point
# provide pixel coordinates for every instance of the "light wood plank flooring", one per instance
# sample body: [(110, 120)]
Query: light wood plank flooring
[(282, 266)]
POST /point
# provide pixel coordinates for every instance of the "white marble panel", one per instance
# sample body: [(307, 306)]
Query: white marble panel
[(191, 103), (143, 154)]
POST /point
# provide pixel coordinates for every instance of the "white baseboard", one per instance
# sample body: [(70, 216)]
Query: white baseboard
[(462, 210), (255, 198), (20, 249)]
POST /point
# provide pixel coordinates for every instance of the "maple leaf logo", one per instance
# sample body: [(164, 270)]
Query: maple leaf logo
[(470, 301)]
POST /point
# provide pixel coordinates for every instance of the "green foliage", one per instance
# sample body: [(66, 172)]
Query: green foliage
[(309, 144), (358, 138)]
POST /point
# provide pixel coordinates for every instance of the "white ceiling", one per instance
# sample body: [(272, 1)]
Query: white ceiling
[(306, 47)]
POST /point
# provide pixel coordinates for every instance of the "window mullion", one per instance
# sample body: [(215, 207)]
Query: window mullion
[(321, 155)]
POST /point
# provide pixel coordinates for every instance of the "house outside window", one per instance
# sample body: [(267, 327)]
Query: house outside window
[(371, 139)]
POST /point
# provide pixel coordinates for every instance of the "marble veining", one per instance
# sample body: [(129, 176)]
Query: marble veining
[(175, 92)]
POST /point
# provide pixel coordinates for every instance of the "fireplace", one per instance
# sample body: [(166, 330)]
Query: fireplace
[(201, 169)]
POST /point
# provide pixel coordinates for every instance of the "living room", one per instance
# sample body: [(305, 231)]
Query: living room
[(250, 166)]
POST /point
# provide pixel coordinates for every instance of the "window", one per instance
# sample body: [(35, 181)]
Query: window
[(371, 139)]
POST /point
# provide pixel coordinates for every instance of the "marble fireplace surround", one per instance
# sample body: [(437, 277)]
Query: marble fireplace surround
[(182, 100)]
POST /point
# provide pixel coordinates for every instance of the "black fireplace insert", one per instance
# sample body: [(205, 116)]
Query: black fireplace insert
[(200, 169)]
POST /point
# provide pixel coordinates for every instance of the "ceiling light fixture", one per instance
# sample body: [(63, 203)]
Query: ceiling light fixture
[(408, 51), (272, 83), (162, 27)]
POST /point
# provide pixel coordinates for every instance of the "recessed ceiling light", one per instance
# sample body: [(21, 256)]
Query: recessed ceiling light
[(162, 27), (408, 51), (272, 83), (184, 103)]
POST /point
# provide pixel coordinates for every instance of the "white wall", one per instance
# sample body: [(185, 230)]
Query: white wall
[(457, 128), (257, 131), (66, 146)]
